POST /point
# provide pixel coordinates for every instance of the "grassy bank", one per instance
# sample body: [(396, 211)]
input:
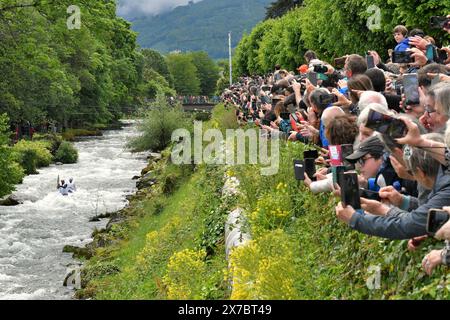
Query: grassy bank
[(169, 244), (173, 226)]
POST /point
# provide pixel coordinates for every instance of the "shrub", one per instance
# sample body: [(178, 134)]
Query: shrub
[(264, 269), (10, 172), (157, 127), (53, 141), (71, 134), (32, 155), (185, 275), (66, 153)]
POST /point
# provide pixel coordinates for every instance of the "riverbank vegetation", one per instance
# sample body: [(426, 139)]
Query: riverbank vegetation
[(169, 243)]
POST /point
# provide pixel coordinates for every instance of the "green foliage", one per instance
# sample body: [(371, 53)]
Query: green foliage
[(159, 122), (331, 261), (185, 74), (281, 7), (203, 26), (66, 153), (207, 72), (32, 155), (72, 77), (10, 172), (54, 140), (156, 84), (332, 29), (155, 61)]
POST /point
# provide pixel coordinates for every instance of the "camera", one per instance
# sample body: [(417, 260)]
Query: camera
[(402, 57), (436, 220)]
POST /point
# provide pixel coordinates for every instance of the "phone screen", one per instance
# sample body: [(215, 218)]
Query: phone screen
[(337, 171), (370, 195), (430, 52), (336, 156), (350, 190), (378, 121), (312, 77), (285, 115), (310, 168), (411, 87), (436, 220), (401, 57), (266, 122), (299, 169), (370, 62)]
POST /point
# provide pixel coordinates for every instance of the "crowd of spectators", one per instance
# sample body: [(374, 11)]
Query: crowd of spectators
[(393, 114)]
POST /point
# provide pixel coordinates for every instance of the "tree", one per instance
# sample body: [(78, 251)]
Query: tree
[(281, 7), (207, 71), (10, 172), (185, 74), (154, 60)]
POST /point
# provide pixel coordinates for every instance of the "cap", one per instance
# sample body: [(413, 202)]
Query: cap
[(373, 146)]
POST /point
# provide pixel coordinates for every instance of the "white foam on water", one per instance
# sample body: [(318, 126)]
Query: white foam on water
[(34, 233)]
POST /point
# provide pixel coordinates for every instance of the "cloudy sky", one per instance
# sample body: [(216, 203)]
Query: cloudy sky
[(150, 7)]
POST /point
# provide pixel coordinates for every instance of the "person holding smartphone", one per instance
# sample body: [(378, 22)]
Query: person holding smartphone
[(395, 223), (439, 257)]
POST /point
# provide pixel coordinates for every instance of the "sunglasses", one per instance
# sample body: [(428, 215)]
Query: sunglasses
[(362, 161)]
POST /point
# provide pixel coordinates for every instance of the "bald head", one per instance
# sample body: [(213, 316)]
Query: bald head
[(331, 113)]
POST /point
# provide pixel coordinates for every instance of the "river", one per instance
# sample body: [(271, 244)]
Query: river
[(33, 234)]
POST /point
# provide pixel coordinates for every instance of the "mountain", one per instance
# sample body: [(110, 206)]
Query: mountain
[(201, 26)]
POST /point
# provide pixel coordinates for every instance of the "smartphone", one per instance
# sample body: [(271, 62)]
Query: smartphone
[(336, 171), (442, 54), (436, 220), (312, 77), (411, 88), (430, 52), (402, 57), (265, 122), (285, 116), (340, 62), (311, 154), (387, 125), (299, 170), (336, 158), (369, 194), (370, 62), (346, 150), (350, 190), (437, 22), (310, 168)]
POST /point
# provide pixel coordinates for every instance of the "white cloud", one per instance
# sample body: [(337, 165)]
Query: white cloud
[(149, 7)]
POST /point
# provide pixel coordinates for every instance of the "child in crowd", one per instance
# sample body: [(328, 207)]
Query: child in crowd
[(400, 36)]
